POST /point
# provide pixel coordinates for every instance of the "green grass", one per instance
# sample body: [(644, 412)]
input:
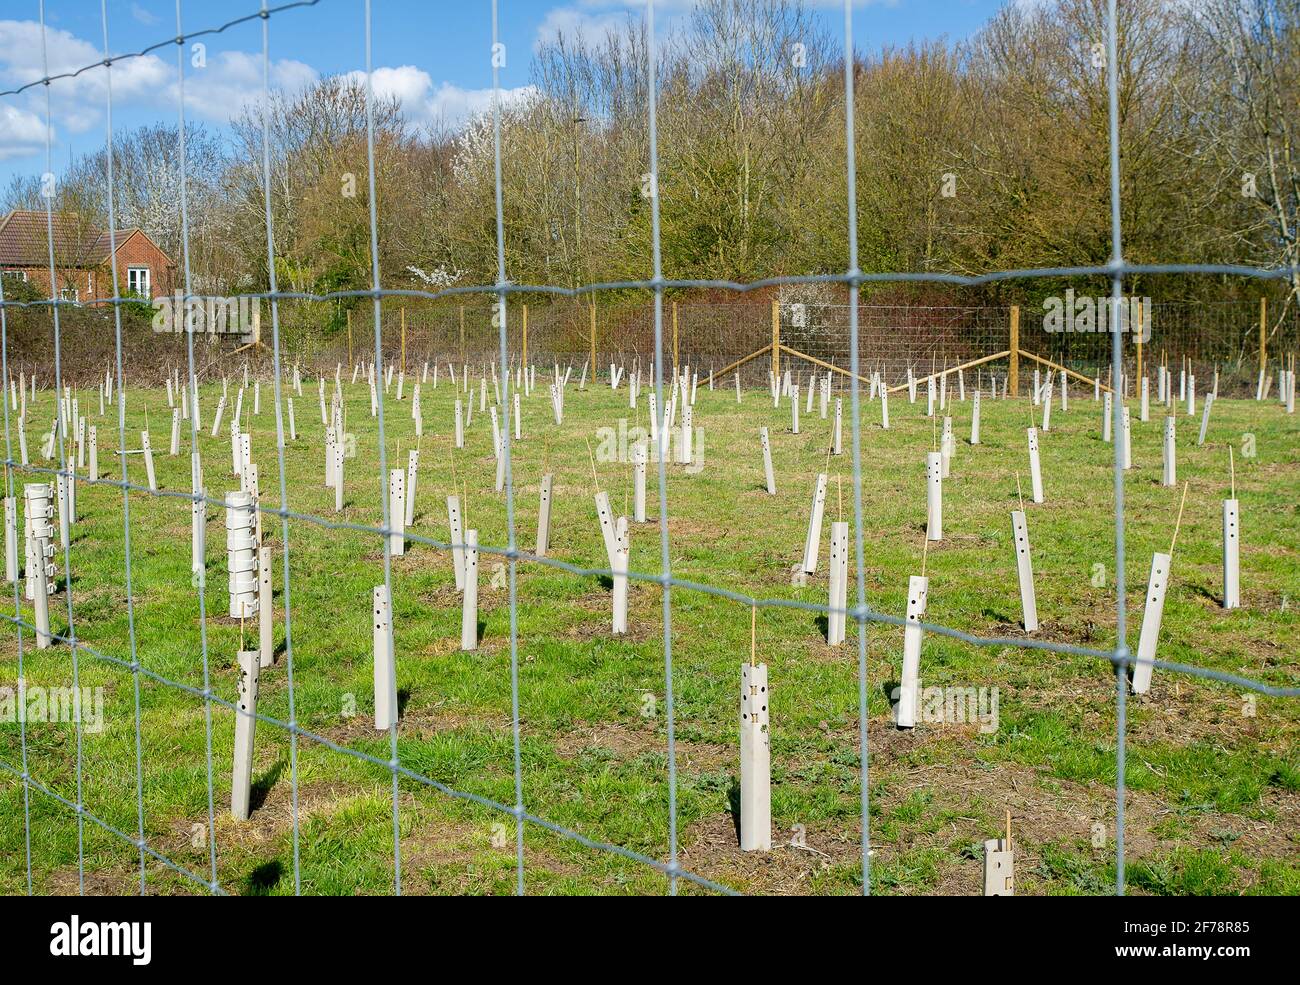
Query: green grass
[(1214, 792)]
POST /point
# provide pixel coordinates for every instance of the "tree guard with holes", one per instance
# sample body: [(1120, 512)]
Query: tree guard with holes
[(397, 511), (918, 588), (933, 495), (385, 664), (1035, 467), (755, 761), (241, 782), (469, 600), (813, 540), (1231, 554), (457, 541), (620, 569), (1152, 614), (640, 456), (1170, 477), (240, 560), (768, 474), (839, 583), (1024, 570), (544, 512)]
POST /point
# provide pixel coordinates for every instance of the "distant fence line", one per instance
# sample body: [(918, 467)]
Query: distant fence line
[(706, 336)]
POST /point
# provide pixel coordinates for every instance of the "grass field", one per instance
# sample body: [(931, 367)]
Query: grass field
[(1213, 779)]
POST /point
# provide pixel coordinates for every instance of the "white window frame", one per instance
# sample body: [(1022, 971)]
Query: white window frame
[(143, 281), (20, 274), (70, 294)]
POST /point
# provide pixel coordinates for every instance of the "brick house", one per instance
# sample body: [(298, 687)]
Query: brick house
[(81, 257)]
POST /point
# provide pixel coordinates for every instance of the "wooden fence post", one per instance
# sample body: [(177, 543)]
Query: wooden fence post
[(1013, 376), (1263, 335), (776, 339), (674, 337)]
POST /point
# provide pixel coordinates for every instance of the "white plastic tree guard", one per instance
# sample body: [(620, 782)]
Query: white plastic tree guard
[(768, 474), (839, 583), (999, 868), (933, 495), (412, 471), (1205, 418), (975, 419), (1144, 411), (216, 420), (1047, 405), (918, 588), (544, 512), (241, 562), (457, 538), (813, 541), (469, 600), (620, 569), (1024, 570), (198, 517), (1126, 438), (1106, 416), (385, 665), (687, 446), (640, 457), (11, 539), (606, 517), (40, 570), (1231, 554), (838, 446), (1152, 614), (338, 454), (65, 515), (460, 426), (794, 408), (147, 448), (946, 447), (397, 511), (1035, 467), (755, 760), (265, 609), (884, 408), (1170, 477), (241, 781)]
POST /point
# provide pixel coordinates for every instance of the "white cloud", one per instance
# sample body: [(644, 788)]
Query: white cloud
[(233, 80), (21, 133), (143, 16), (424, 103), (76, 103)]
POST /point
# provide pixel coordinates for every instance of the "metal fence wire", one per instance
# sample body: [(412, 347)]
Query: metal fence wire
[(847, 334)]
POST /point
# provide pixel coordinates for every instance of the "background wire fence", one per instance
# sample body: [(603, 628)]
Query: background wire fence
[(458, 325)]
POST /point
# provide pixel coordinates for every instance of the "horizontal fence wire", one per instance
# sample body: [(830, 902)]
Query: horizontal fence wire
[(569, 326)]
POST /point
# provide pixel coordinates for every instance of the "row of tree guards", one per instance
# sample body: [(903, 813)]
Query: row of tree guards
[(1014, 353), (672, 439)]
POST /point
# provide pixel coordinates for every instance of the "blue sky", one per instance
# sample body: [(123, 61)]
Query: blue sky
[(434, 56)]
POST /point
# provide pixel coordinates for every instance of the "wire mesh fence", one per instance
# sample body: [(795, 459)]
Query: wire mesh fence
[(576, 326)]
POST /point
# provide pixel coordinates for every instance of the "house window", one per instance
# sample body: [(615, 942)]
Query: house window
[(70, 294), (17, 275), (137, 281)]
